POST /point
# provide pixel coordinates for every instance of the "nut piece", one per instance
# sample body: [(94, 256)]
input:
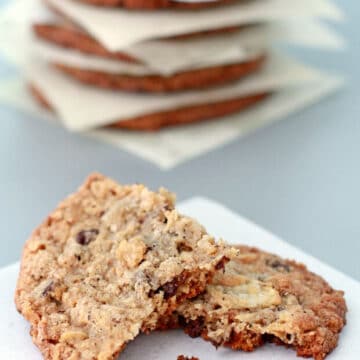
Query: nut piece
[(73, 335), (131, 252)]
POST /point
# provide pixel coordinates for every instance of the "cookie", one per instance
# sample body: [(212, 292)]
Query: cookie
[(180, 116), (180, 81), (70, 36), (156, 4), (73, 38), (108, 263), (190, 114), (261, 297)]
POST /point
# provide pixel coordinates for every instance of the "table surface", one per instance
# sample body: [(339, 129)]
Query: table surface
[(300, 179)]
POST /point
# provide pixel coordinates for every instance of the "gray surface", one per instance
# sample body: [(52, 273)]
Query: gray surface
[(300, 179)]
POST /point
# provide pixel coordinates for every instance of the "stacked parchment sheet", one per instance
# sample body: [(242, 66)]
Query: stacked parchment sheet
[(107, 69)]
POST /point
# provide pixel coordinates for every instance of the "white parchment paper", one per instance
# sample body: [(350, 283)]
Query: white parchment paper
[(119, 28), (52, 53), (82, 107), (170, 55), (15, 342), (161, 56), (171, 147)]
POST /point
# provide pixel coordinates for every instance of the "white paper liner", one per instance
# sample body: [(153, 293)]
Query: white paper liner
[(118, 28), (170, 147), (163, 56), (168, 55), (56, 54), (173, 146), (19, 35), (83, 107), (16, 344)]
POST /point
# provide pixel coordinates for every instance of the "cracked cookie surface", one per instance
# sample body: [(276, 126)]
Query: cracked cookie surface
[(107, 264), (261, 297)]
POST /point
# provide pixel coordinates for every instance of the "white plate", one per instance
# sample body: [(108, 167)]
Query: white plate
[(15, 343)]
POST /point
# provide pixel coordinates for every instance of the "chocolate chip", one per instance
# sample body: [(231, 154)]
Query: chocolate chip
[(221, 263), (182, 246), (194, 328), (85, 237), (276, 264), (170, 289), (48, 288), (52, 341)]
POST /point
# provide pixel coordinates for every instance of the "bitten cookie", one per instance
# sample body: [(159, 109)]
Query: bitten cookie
[(184, 80), (156, 4), (261, 297), (108, 263), (180, 116)]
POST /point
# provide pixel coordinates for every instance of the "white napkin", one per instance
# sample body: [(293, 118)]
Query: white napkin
[(118, 28), (170, 147), (15, 341)]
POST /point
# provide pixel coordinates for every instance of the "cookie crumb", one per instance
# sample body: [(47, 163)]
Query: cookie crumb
[(182, 357)]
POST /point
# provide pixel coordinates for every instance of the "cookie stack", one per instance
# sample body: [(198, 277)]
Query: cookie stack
[(113, 261), (144, 65), (190, 70)]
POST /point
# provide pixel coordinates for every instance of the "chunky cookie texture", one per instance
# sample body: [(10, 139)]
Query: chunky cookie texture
[(109, 262), (261, 297)]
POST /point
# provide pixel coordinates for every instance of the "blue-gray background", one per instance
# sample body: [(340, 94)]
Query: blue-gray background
[(300, 178)]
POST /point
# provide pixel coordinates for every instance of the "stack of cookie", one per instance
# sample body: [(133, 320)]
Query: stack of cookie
[(177, 61), (113, 261)]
